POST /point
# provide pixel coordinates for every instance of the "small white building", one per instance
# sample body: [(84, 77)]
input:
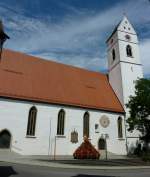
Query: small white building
[(47, 108)]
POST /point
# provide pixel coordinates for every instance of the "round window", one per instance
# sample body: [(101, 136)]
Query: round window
[(128, 37), (104, 121)]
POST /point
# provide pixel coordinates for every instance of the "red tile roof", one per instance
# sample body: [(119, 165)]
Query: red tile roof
[(31, 78)]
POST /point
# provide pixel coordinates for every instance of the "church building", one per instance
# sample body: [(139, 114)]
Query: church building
[(47, 108)]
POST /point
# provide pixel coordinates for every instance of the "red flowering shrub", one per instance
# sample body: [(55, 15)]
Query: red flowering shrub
[(86, 151)]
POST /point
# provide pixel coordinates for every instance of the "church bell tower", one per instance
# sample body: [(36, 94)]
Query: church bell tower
[(124, 60)]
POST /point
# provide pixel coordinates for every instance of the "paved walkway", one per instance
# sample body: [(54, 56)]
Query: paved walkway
[(126, 163)]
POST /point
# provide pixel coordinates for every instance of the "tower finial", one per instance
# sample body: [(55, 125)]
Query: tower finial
[(3, 37), (124, 13)]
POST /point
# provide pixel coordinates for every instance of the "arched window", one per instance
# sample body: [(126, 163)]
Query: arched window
[(61, 122), (31, 121), (101, 144), (129, 51), (120, 134), (5, 139), (86, 119), (113, 54)]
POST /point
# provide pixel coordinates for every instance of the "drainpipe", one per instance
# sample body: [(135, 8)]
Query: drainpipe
[(126, 133), (49, 146)]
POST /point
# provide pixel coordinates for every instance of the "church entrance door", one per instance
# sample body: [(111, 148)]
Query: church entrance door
[(101, 144), (5, 139)]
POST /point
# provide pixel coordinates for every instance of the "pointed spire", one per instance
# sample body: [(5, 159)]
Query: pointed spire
[(3, 37), (126, 26), (115, 29), (124, 13), (123, 25), (1, 26)]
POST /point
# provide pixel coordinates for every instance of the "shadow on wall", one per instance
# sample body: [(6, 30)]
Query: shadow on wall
[(133, 147), (6, 171), (85, 175)]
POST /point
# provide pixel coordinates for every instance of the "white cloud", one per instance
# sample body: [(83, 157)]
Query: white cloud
[(78, 40), (145, 56)]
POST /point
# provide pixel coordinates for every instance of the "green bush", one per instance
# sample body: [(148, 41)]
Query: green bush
[(146, 157), (138, 150)]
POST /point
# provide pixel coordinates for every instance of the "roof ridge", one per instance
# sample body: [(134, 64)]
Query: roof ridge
[(52, 61)]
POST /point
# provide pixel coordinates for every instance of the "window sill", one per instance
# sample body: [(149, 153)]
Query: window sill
[(28, 136), (89, 138), (130, 56), (60, 136), (121, 139)]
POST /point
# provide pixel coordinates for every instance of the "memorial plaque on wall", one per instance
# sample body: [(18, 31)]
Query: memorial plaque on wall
[(74, 136)]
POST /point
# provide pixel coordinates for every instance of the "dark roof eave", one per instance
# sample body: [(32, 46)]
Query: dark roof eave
[(64, 104)]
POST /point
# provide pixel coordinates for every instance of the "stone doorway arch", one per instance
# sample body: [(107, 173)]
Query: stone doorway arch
[(5, 139), (101, 144)]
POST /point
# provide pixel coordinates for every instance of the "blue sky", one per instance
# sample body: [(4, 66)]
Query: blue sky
[(73, 31)]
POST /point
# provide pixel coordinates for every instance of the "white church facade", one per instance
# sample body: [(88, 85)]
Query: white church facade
[(46, 108)]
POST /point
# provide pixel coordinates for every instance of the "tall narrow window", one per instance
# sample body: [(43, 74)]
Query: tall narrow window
[(120, 134), (61, 122), (113, 54), (31, 121), (86, 119), (129, 51)]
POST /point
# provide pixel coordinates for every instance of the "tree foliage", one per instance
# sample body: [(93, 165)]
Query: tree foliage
[(139, 109)]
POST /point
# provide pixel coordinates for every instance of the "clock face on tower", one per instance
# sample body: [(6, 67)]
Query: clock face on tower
[(128, 37), (104, 121)]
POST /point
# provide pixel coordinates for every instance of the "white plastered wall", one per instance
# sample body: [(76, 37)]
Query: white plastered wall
[(14, 117), (125, 70)]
